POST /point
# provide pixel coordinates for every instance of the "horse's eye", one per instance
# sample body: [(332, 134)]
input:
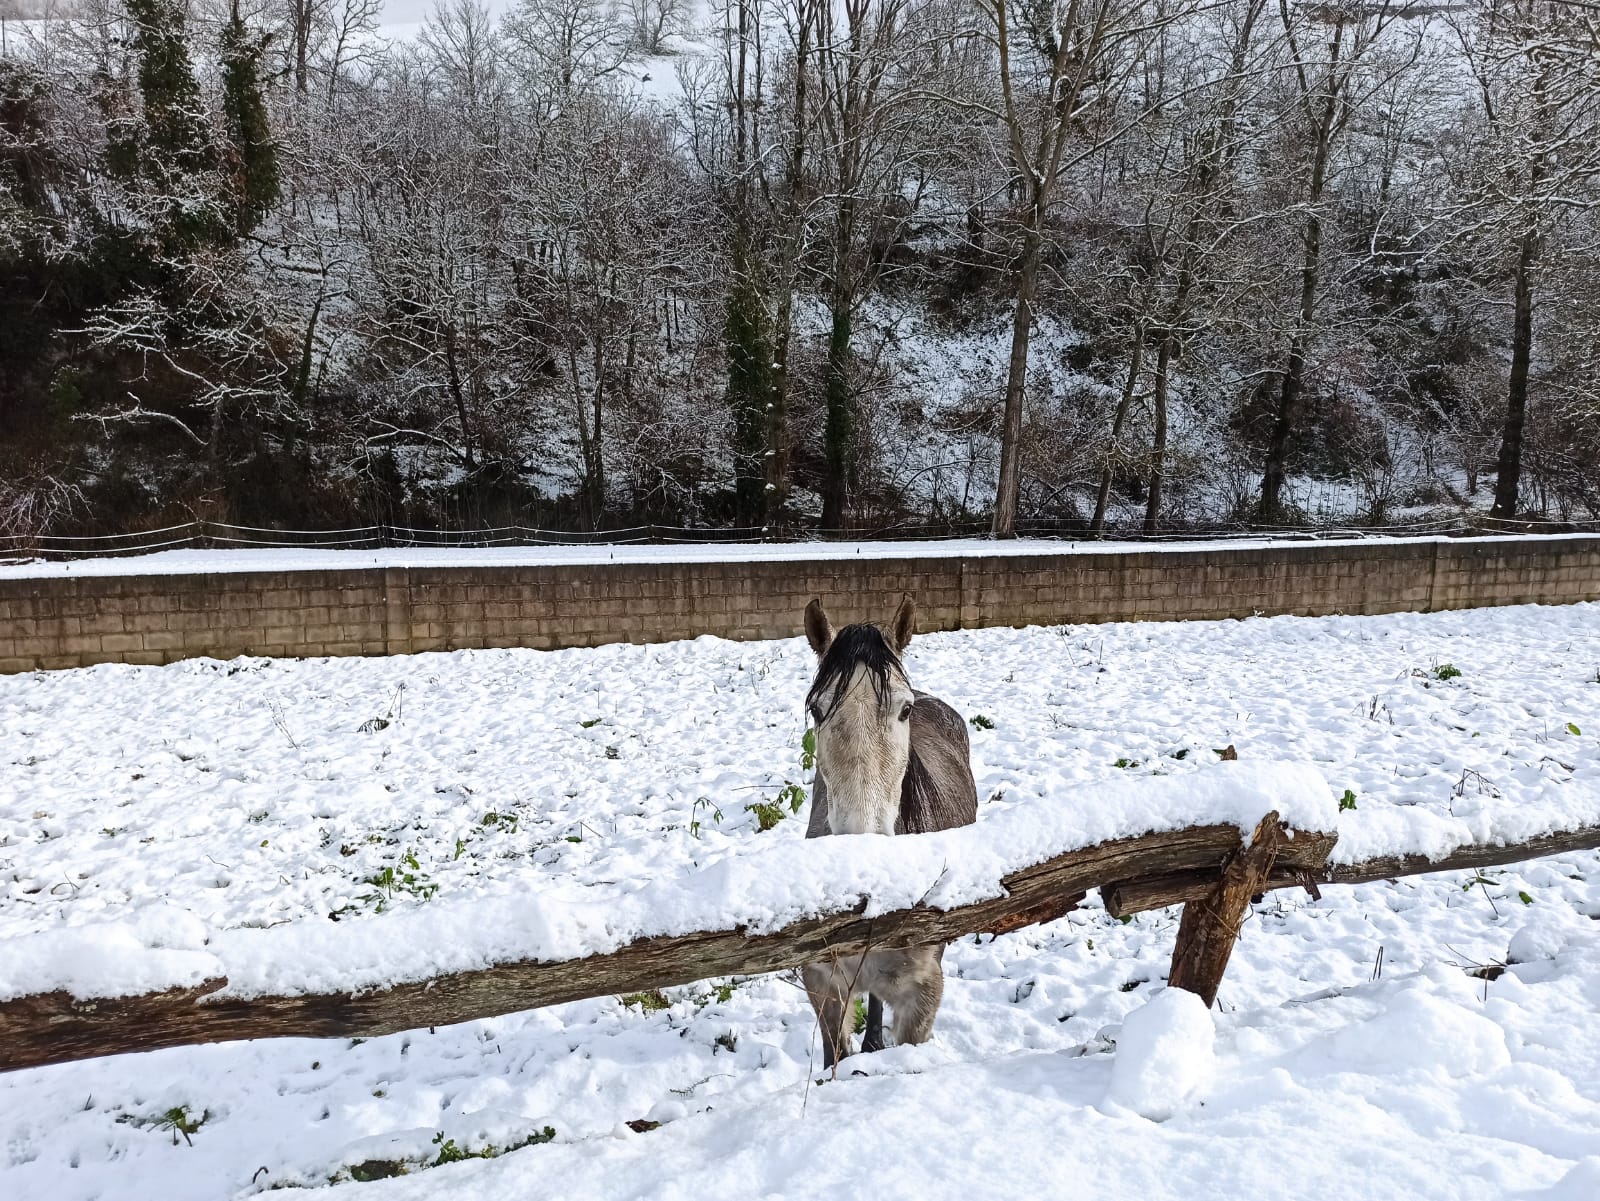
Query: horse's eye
[(905, 711)]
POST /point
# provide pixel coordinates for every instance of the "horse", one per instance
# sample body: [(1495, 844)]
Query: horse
[(890, 760)]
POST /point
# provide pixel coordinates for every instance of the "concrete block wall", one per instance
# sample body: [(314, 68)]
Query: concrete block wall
[(77, 620)]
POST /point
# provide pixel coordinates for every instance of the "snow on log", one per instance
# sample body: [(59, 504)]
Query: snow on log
[(56, 1027), (1127, 897), (87, 991), (757, 911), (757, 888)]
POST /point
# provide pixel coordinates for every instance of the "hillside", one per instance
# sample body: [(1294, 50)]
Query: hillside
[(577, 264)]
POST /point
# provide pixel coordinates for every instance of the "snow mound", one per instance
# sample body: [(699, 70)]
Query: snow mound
[(1540, 938), (1581, 1183), (1166, 1055), (1425, 1033)]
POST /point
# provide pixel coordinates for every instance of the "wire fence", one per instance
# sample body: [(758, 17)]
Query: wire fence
[(215, 535)]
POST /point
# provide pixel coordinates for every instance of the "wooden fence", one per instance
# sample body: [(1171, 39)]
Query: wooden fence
[(1207, 869)]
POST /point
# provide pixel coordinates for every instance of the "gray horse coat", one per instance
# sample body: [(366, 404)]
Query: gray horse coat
[(859, 693), (937, 791)]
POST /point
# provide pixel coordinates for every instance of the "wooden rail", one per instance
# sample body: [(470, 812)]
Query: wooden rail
[(1205, 867)]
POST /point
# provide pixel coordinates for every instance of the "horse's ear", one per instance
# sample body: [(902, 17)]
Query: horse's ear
[(819, 631), (905, 624)]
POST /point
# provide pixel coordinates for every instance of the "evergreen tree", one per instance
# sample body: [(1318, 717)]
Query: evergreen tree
[(252, 154), (173, 152), (32, 226)]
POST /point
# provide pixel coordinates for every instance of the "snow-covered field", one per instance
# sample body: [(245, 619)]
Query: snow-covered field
[(1353, 1055)]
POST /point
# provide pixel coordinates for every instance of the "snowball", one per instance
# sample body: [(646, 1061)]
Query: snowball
[(1165, 1055)]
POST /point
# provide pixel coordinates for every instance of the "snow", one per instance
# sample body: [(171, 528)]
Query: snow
[(1166, 1055), (105, 960), (1421, 1031), (1538, 939), (219, 562), (762, 889), (167, 822)]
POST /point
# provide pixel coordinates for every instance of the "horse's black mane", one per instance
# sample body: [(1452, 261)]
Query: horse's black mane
[(862, 645)]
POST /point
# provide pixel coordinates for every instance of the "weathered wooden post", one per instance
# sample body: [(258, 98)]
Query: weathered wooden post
[(1211, 923)]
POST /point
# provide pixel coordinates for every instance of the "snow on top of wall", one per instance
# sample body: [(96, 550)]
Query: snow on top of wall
[(209, 562)]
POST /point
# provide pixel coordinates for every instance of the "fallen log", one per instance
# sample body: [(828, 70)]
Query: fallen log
[(1134, 874), (1127, 897), (56, 1027)]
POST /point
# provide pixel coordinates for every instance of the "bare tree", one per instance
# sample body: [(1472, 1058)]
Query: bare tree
[(351, 24), (654, 20), (559, 49), (1335, 69), (752, 113), (865, 62), (302, 18), (211, 350), (1055, 63), (1191, 214), (587, 296), (1535, 169), (462, 40)]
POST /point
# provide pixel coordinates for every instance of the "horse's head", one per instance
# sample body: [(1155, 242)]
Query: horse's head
[(861, 704)]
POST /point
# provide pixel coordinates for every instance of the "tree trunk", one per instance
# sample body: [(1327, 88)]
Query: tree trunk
[(303, 14), (749, 348), (1270, 509), (839, 430), (1103, 497), (1006, 494), (300, 389), (1294, 371), (1158, 448), (597, 463), (586, 441), (777, 452), (453, 373), (749, 385), (783, 326), (1508, 481)]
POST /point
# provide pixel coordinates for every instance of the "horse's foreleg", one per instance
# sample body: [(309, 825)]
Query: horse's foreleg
[(916, 996), (828, 990), (872, 1040)]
